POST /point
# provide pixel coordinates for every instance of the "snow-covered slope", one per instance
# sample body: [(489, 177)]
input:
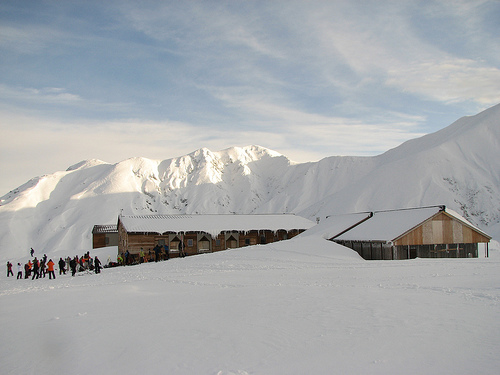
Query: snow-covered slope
[(457, 166), (302, 306)]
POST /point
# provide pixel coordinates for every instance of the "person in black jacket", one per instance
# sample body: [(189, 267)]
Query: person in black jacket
[(35, 269), (97, 265), (72, 265), (62, 265), (157, 250)]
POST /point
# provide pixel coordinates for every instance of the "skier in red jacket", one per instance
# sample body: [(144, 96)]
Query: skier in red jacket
[(50, 267)]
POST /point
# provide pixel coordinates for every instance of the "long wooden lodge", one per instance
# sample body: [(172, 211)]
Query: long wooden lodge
[(204, 233), (426, 232)]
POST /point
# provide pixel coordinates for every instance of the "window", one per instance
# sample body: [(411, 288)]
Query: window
[(190, 242)]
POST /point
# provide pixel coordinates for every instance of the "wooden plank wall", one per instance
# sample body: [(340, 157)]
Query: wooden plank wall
[(441, 229), (98, 240), (133, 242)]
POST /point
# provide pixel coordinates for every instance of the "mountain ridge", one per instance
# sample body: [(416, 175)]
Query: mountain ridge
[(456, 166)]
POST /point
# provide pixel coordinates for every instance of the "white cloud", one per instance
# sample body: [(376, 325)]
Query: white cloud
[(384, 47), (44, 95), (450, 81)]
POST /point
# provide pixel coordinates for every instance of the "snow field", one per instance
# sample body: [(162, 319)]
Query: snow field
[(295, 307)]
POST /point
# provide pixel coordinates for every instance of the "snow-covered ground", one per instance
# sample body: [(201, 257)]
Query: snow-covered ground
[(303, 306)]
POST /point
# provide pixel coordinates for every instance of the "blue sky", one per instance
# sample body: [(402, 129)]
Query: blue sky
[(310, 79)]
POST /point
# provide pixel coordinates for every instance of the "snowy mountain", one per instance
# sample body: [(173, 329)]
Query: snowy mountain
[(457, 166)]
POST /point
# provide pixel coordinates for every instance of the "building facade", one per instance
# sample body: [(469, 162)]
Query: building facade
[(104, 235), (427, 232), (197, 234)]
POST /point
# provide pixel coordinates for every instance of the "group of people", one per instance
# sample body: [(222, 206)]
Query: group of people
[(38, 268), (157, 254)]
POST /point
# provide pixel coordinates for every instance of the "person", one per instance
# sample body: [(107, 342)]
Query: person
[(72, 265), (19, 271), (167, 255), (26, 270), (50, 268), (182, 254), (141, 255), (32, 252), (119, 259), (157, 250), (9, 269), (35, 269), (127, 254), (87, 261), (97, 265), (62, 265), (41, 268)]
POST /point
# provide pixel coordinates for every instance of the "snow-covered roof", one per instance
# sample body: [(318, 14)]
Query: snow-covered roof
[(388, 225), (334, 225), (212, 224), (107, 228)]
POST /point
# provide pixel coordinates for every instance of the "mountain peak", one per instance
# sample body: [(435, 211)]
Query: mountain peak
[(85, 164), (469, 133)]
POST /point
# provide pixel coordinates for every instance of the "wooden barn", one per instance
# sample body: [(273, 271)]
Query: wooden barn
[(104, 235), (427, 232), (204, 233)]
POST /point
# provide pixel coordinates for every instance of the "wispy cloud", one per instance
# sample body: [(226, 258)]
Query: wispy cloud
[(386, 47), (42, 95), (345, 45), (28, 39), (449, 81)]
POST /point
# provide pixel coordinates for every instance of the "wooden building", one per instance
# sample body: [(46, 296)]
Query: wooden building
[(104, 235), (204, 233), (427, 232)]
